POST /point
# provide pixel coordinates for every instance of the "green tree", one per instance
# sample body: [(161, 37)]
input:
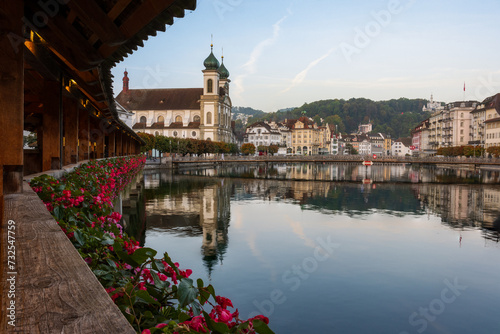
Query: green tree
[(248, 149), (350, 149), (149, 140), (494, 151), (163, 144), (273, 149)]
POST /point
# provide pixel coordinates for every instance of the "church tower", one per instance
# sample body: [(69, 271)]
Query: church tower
[(209, 101), (125, 81), (225, 104)]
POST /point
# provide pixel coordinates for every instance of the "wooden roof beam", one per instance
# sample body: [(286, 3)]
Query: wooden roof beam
[(148, 11), (66, 41), (40, 59), (96, 19)]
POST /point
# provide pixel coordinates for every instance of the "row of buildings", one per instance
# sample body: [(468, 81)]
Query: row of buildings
[(459, 124), (304, 137)]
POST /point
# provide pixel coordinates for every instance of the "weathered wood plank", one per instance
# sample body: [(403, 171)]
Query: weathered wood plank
[(55, 291)]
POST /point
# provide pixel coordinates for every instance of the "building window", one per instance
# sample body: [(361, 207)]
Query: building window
[(196, 118), (157, 133), (178, 119), (209, 118), (161, 119), (210, 84), (143, 119), (193, 133), (175, 133)]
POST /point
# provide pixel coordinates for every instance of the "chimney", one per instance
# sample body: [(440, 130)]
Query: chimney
[(125, 82)]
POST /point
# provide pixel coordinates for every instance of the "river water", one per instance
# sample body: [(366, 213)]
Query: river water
[(337, 248)]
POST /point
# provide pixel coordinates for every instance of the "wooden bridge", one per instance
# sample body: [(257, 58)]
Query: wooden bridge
[(55, 81)]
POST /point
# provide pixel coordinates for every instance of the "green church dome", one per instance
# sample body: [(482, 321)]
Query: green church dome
[(211, 63), (223, 72)]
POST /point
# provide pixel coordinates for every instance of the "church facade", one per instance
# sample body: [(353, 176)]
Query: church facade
[(195, 113)]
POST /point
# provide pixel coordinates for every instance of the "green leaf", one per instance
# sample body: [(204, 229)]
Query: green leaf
[(261, 327), (171, 263), (99, 272), (144, 295), (218, 327), (142, 254), (58, 213), (79, 237), (183, 317), (212, 291), (187, 292), (199, 281), (107, 241), (196, 307), (111, 263), (158, 265), (204, 296)]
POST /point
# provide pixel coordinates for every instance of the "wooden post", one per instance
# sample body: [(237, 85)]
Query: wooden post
[(127, 144), (111, 144), (100, 143), (83, 134), (119, 143), (51, 149), (11, 97), (70, 131)]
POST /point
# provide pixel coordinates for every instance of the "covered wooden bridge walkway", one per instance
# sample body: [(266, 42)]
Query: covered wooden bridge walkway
[(55, 81)]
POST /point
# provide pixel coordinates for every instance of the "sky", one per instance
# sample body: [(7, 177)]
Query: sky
[(283, 54)]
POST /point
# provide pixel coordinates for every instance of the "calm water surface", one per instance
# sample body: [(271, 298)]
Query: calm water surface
[(323, 256)]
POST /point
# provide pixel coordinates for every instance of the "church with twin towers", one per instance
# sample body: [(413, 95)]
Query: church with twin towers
[(188, 113)]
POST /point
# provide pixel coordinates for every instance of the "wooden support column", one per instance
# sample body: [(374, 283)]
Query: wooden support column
[(111, 144), (70, 131), (137, 148), (100, 144), (51, 141), (11, 97), (119, 142), (127, 144), (83, 135)]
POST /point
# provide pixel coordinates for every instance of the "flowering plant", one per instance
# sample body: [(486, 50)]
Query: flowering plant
[(154, 294)]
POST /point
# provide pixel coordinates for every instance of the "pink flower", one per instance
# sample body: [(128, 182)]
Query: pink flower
[(225, 316), (146, 331), (260, 317), (224, 302)]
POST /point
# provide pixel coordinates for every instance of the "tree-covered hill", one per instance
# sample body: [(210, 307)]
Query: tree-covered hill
[(394, 117)]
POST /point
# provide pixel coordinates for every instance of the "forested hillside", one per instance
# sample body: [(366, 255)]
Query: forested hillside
[(394, 117)]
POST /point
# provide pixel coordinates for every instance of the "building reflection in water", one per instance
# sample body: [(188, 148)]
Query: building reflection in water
[(190, 208), (199, 206)]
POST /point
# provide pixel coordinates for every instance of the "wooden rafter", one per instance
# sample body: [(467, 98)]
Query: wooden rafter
[(97, 21)]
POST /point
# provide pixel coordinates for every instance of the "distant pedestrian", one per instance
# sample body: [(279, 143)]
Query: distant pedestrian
[(222, 156)]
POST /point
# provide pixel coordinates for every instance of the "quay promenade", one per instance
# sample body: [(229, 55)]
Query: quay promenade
[(178, 161)]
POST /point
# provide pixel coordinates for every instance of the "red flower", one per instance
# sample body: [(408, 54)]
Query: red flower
[(224, 302)]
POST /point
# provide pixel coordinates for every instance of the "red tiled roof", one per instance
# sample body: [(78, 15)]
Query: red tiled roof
[(158, 125), (492, 120), (139, 126), (406, 141), (161, 99)]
